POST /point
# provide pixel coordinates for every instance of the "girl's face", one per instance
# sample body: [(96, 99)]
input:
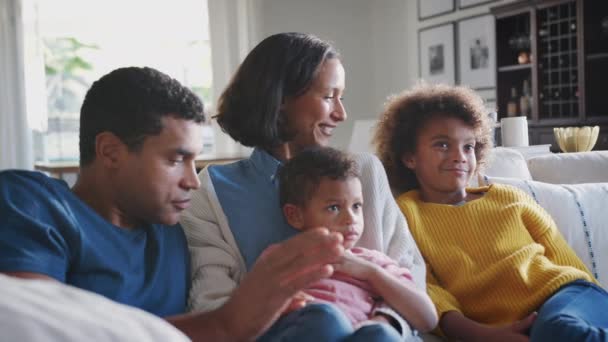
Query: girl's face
[(313, 116), (444, 160)]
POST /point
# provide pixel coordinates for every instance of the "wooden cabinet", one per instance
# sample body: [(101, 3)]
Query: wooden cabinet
[(559, 49)]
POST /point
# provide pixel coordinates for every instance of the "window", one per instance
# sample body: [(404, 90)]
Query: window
[(84, 40)]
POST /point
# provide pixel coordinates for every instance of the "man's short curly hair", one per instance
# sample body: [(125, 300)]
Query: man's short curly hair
[(130, 103), (405, 114), (300, 177)]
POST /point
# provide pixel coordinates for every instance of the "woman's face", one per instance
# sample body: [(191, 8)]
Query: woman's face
[(313, 116)]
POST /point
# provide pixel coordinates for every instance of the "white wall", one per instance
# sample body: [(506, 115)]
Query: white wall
[(347, 24), (377, 39)]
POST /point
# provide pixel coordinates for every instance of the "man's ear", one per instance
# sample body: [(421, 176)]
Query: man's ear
[(294, 216), (109, 149), (408, 160)]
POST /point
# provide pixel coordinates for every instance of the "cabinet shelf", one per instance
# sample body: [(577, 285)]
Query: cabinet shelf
[(514, 67), (597, 56), (568, 68)]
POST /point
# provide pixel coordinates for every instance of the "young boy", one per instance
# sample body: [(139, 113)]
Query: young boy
[(321, 188), (497, 266)]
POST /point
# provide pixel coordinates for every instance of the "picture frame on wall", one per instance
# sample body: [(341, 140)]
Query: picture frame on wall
[(436, 50), (432, 8), (477, 52), (462, 4)]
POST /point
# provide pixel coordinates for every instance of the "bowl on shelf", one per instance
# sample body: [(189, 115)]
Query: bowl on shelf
[(576, 139)]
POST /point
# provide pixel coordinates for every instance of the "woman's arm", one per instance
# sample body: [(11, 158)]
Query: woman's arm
[(217, 266)]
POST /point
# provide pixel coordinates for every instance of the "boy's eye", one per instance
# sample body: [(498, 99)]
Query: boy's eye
[(469, 147), (357, 206), (441, 144), (333, 207)]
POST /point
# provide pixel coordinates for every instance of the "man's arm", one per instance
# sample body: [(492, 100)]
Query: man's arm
[(29, 275), (267, 290)]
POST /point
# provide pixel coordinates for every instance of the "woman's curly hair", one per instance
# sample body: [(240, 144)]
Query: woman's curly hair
[(397, 130)]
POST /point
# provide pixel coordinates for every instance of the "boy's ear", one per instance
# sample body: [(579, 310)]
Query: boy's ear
[(294, 216), (408, 160)]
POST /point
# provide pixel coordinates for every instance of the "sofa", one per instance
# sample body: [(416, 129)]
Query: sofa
[(572, 187)]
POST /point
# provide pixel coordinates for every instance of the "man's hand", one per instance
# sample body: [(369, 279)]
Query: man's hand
[(267, 291)]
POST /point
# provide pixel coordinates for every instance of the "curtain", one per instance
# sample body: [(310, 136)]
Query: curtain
[(231, 23), (22, 90)]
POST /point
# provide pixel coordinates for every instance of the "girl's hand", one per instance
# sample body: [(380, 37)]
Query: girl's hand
[(517, 331), (355, 267)]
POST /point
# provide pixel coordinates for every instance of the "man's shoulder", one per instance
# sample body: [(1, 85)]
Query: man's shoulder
[(30, 183)]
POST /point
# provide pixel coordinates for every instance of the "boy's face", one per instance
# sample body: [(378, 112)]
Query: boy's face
[(336, 205), (444, 160)]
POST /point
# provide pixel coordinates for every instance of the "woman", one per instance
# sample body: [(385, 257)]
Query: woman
[(285, 97)]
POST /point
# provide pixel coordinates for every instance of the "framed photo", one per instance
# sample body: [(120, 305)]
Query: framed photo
[(477, 52), (436, 49), (432, 8), (470, 3)]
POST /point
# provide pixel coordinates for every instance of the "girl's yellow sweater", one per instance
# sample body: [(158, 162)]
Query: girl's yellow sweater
[(494, 259)]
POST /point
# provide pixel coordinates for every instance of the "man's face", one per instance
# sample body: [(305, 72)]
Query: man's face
[(154, 182)]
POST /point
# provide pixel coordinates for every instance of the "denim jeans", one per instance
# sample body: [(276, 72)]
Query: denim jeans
[(325, 322), (578, 311)]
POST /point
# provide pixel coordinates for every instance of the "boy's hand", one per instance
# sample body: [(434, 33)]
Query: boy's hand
[(355, 267)]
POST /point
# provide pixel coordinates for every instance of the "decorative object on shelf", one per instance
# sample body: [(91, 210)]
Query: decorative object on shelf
[(605, 25), (576, 139), (514, 131), (477, 52), (470, 3), (523, 57), (432, 8), (525, 100), (512, 104), (436, 49)]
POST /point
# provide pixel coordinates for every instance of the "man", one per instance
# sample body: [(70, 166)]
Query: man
[(115, 232)]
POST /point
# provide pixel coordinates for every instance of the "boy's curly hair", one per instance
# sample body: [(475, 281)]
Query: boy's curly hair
[(397, 130), (300, 177)]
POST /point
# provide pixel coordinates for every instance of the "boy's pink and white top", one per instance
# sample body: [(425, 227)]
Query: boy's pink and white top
[(356, 298)]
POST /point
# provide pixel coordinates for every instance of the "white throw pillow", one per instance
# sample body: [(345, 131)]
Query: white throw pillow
[(506, 162), (47, 310), (570, 168), (581, 214)]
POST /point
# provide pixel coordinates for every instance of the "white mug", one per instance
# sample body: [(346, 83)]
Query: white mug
[(514, 131)]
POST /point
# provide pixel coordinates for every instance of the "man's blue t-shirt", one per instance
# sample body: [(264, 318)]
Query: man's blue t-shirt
[(46, 229)]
